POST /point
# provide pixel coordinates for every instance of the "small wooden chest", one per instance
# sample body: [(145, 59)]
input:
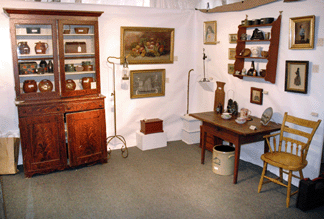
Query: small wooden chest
[(75, 47), (149, 126)]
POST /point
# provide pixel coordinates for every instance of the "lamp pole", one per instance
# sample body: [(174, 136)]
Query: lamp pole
[(124, 148)]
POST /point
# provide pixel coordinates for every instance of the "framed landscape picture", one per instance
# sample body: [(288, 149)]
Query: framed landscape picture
[(302, 32), (233, 38), (147, 45), (296, 76), (147, 83)]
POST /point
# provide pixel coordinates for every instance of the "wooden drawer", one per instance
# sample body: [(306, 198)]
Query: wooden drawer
[(40, 110), (84, 105)]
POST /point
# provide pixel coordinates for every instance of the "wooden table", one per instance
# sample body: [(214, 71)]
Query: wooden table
[(228, 130)]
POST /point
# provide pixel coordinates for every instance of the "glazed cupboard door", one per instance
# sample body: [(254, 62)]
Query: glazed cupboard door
[(86, 137), (34, 48), (79, 57), (43, 143)]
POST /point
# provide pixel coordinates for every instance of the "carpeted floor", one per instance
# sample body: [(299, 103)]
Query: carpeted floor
[(168, 182)]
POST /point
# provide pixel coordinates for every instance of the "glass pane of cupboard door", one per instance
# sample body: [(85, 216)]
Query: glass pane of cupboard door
[(35, 60), (79, 51)]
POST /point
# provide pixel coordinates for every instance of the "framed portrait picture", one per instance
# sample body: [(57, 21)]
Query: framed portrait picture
[(256, 95), (147, 83), (233, 38), (230, 69), (210, 32), (296, 76), (301, 32), (231, 53), (147, 45)]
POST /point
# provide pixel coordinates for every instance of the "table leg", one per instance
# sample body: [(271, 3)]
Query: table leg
[(237, 160), (266, 146), (203, 145)]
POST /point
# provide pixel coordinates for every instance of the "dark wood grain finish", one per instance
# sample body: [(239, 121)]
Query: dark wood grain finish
[(230, 131), (84, 105), (40, 109), (43, 143), (87, 137)]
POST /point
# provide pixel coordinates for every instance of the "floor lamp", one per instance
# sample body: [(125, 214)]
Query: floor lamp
[(124, 148)]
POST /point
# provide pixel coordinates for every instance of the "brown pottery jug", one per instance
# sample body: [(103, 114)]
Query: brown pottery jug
[(45, 86), (70, 85), (86, 82), (30, 86), (23, 48), (41, 47)]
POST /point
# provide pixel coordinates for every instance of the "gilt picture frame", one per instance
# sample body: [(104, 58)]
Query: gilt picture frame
[(256, 95), (231, 53), (147, 45), (232, 38), (210, 32), (147, 83), (296, 79), (302, 32)]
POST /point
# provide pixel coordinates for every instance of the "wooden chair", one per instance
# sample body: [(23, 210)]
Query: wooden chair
[(290, 155)]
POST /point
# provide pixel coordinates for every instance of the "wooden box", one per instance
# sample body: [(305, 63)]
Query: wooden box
[(75, 47), (149, 126)]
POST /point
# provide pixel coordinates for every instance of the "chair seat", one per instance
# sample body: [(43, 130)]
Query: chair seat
[(284, 160)]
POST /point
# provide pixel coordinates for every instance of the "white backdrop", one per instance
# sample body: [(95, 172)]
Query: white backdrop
[(189, 45)]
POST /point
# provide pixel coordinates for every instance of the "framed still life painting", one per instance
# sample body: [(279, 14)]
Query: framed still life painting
[(302, 32), (296, 76), (147, 45), (147, 83)]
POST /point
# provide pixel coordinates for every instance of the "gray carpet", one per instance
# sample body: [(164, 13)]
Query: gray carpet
[(168, 182)]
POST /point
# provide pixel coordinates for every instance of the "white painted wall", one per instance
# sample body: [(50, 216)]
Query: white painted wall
[(188, 26)]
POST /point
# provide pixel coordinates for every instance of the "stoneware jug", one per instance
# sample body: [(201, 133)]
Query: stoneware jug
[(40, 47), (23, 48), (45, 86), (86, 82), (30, 86), (70, 85)]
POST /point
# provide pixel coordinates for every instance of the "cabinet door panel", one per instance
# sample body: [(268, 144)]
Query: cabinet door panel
[(87, 137), (43, 142)]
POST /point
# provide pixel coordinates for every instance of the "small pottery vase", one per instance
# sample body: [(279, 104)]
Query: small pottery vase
[(70, 85), (45, 86), (23, 48), (30, 86), (40, 47), (86, 82)]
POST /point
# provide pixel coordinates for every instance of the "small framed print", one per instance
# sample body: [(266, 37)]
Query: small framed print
[(233, 38), (302, 32), (231, 69), (296, 76), (231, 53), (210, 32), (256, 95), (147, 83)]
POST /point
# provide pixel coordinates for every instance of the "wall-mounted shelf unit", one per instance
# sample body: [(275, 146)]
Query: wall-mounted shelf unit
[(271, 66)]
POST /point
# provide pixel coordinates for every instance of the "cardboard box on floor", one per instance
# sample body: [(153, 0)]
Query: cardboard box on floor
[(9, 150)]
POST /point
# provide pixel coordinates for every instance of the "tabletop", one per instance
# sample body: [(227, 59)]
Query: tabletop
[(230, 124)]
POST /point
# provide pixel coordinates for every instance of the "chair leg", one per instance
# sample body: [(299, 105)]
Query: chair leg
[(288, 189), (280, 175), (262, 176), (301, 174)]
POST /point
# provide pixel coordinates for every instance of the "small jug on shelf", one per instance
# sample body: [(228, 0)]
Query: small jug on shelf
[(23, 48), (40, 47)]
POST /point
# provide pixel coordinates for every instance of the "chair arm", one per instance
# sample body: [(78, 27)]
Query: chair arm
[(267, 137)]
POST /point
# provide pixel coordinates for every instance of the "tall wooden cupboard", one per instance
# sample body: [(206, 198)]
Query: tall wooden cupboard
[(57, 83)]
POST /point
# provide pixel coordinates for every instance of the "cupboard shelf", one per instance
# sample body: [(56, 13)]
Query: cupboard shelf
[(271, 66)]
